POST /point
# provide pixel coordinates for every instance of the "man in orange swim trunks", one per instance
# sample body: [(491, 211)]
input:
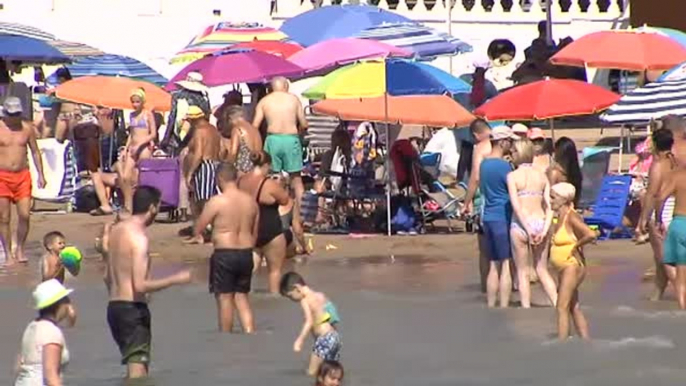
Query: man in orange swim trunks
[(15, 178)]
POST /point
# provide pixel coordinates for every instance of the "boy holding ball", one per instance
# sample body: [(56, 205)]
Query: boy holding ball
[(58, 257), (51, 266)]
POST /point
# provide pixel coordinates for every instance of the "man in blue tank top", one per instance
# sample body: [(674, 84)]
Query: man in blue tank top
[(497, 214)]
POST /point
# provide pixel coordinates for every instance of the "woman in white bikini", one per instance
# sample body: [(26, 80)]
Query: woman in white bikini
[(139, 145), (530, 197)]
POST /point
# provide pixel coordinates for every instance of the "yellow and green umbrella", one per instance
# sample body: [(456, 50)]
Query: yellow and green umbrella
[(390, 77)]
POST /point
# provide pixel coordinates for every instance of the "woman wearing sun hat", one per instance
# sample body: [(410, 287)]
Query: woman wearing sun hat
[(44, 352)]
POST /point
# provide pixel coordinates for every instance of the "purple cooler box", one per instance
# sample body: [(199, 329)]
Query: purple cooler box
[(163, 174)]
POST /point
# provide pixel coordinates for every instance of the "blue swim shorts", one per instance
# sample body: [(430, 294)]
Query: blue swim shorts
[(328, 346), (497, 234), (675, 242)]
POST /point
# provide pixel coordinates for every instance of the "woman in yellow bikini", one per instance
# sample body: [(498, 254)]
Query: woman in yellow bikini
[(570, 234)]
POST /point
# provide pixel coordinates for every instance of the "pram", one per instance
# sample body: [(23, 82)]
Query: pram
[(434, 200)]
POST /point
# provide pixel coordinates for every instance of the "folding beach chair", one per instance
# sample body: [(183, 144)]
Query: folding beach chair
[(609, 207)]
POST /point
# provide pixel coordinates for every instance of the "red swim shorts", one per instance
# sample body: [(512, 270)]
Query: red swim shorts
[(15, 185)]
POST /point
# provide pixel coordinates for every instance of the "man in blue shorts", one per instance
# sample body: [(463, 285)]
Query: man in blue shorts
[(497, 213)]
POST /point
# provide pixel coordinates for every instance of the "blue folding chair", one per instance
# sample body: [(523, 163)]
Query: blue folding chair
[(609, 207)]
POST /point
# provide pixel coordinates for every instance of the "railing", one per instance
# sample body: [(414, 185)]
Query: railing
[(421, 9)]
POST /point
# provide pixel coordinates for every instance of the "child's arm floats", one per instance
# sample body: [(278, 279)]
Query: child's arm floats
[(307, 326)]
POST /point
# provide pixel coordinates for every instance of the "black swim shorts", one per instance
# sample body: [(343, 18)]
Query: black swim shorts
[(231, 271), (130, 326)]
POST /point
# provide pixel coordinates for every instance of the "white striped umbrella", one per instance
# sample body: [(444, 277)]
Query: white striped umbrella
[(649, 102), (25, 30), (425, 42)]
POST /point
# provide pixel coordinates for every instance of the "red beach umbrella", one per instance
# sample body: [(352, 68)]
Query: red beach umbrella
[(624, 50), (281, 49), (547, 99)]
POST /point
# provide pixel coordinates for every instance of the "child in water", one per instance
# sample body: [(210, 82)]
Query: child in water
[(330, 374), (50, 264), (321, 318)]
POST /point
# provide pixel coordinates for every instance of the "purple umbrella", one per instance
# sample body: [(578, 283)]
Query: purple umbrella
[(337, 52), (238, 67)]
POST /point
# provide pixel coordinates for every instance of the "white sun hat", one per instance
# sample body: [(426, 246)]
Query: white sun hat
[(48, 293), (193, 82)]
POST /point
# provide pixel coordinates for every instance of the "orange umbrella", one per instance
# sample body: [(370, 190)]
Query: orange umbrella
[(428, 110), (623, 50), (113, 92)]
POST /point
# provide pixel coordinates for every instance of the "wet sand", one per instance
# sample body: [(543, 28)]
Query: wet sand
[(411, 310)]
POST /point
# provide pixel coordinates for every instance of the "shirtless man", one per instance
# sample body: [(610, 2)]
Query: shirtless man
[(15, 177), (285, 122), (201, 162), (662, 166), (674, 184), (234, 216), (128, 281), (482, 148)]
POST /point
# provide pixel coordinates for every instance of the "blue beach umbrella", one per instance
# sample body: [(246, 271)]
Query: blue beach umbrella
[(112, 65), (26, 49), (425, 42), (336, 21)]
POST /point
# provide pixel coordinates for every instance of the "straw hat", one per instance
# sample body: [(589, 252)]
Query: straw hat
[(48, 293), (193, 82)]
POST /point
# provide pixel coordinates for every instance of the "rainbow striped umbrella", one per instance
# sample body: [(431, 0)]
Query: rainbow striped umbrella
[(220, 36)]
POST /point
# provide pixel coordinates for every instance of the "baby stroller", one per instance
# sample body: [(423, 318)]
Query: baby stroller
[(434, 200)]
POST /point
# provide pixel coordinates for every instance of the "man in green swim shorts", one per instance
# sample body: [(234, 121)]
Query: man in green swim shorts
[(285, 123), (674, 184)]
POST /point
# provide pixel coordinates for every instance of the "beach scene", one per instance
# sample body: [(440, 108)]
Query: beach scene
[(406, 192)]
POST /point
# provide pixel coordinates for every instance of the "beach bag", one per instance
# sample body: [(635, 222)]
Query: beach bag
[(404, 218), (86, 199)]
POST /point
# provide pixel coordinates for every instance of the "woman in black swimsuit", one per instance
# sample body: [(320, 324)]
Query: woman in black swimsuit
[(269, 195)]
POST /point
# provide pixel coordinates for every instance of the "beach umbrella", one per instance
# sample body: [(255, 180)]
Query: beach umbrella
[(282, 49), (29, 50), (336, 21), (238, 67), (75, 50), (427, 110), (547, 99), (336, 52), (219, 36), (112, 65), (652, 101), (624, 50), (383, 79), (424, 42), (113, 92), (377, 78), (673, 34), (25, 30), (677, 73)]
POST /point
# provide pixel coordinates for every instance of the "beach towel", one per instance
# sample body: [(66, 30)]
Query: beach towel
[(59, 168)]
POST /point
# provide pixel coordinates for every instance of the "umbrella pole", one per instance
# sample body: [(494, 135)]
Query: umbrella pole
[(552, 129), (388, 169), (621, 149)]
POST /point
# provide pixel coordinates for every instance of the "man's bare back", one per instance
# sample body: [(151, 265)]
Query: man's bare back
[(282, 112), (13, 147), (234, 218), (207, 140)]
